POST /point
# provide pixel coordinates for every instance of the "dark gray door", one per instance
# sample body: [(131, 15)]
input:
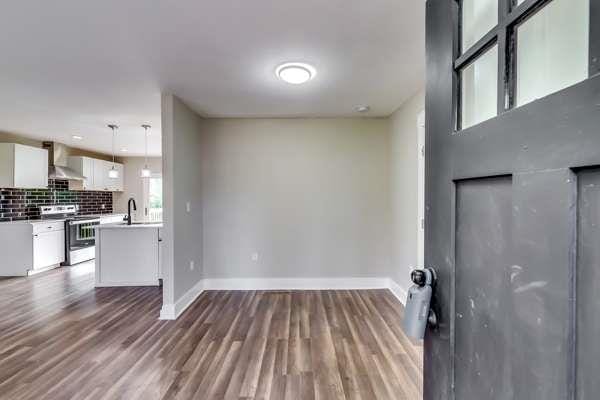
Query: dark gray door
[(513, 199)]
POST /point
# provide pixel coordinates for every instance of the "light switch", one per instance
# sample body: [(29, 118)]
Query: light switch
[(188, 206)]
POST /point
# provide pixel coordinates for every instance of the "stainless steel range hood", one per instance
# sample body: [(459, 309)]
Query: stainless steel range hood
[(59, 172), (55, 170)]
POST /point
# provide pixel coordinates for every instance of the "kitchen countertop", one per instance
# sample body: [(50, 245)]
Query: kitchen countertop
[(132, 226), (32, 221), (43, 221)]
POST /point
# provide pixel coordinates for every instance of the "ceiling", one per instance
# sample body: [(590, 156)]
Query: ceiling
[(69, 67)]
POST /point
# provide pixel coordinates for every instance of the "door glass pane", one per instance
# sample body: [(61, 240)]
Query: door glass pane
[(479, 89), (552, 49), (478, 17)]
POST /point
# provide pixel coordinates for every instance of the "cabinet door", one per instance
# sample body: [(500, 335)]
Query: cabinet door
[(87, 170), (85, 166), (48, 249), (31, 167), (100, 173)]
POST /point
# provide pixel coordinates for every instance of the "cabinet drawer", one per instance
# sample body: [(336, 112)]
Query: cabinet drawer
[(49, 226)]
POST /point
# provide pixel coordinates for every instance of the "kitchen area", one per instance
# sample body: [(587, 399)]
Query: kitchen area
[(62, 206)]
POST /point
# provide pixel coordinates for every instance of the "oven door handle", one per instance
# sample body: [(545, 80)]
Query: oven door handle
[(87, 221)]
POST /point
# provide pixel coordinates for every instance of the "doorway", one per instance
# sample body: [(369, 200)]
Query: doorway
[(153, 199)]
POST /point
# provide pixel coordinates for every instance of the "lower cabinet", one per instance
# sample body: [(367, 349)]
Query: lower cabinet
[(31, 246), (48, 249)]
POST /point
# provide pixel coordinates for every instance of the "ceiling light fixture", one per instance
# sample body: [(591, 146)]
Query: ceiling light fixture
[(124, 150), (113, 173), (77, 137), (146, 173), (295, 73), (362, 109)]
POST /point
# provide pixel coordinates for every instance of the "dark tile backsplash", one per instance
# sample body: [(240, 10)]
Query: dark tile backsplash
[(23, 204)]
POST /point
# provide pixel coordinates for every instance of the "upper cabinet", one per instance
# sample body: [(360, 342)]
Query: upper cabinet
[(23, 167), (96, 174)]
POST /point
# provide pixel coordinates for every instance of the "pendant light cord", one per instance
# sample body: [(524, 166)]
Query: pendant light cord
[(114, 132), (146, 146), (146, 127)]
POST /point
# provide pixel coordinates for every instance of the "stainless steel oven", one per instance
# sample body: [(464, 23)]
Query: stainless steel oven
[(80, 239)]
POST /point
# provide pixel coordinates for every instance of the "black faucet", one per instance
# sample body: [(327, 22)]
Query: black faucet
[(128, 218)]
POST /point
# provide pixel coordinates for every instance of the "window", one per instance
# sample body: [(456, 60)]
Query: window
[(513, 52), (478, 18), (479, 89), (153, 200), (552, 49)]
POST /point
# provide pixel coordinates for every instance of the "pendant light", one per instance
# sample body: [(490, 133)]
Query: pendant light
[(113, 173), (146, 173)]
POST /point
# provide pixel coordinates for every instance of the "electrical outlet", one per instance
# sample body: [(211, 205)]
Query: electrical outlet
[(192, 266), (255, 257)]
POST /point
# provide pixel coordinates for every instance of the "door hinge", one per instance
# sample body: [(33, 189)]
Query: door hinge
[(422, 223)]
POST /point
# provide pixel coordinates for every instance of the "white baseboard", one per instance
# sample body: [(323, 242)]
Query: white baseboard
[(173, 311), (397, 291), (295, 283), (115, 284)]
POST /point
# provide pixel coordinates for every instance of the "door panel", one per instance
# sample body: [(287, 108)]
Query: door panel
[(483, 328), (588, 285)]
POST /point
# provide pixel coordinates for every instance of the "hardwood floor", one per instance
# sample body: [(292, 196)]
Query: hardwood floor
[(62, 339)]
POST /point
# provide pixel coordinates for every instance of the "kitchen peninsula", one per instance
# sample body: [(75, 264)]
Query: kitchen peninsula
[(128, 255)]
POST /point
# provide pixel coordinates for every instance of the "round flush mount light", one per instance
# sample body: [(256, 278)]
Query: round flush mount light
[(362, 109), (296, 73)]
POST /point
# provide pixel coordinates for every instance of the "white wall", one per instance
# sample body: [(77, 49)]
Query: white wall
[(313, 198), (182, 233), (310, 196), (133, 184), (403, 189)]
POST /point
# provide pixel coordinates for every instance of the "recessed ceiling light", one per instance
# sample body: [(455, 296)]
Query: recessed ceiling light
[(77, 137), (296, 73), (362, 109), (124, 150)]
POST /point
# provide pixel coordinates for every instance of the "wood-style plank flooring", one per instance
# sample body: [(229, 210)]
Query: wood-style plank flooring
[(62, 339)]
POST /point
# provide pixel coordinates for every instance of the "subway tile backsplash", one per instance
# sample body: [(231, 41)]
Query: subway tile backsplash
[(24, 204)]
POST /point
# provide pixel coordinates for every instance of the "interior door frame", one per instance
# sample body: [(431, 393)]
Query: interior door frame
[(421, 189)]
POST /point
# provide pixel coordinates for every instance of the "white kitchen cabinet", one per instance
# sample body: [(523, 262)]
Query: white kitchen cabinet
[(23, 166), (85, 166), (100, 175), (96, 172), (48, 249), (31, 246)]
